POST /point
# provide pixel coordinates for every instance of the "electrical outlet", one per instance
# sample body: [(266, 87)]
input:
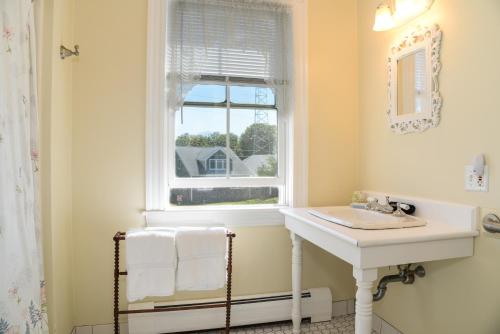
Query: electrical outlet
[(474, 182)]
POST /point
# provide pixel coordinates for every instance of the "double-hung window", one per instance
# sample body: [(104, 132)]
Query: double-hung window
[(226, 110), (226, 82)]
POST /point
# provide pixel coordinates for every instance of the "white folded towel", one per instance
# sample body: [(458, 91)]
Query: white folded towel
[(151, 262), (201, 258)]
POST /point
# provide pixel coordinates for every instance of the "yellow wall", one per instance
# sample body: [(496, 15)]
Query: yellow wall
[(104, 179), (108, 151), (333, 136), (458, 296), (55, 27)]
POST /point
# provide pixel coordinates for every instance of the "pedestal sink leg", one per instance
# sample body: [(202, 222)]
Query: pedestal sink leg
[(296, 281), (364, 299)]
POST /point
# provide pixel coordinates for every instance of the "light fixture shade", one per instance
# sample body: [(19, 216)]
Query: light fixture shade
[(383, 18), (408, 9)]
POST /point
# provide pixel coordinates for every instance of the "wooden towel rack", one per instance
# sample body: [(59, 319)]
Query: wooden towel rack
[(119, 236)]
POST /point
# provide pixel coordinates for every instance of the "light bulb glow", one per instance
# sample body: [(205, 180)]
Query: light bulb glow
[(400, 12), (383, 18), (406, 9)]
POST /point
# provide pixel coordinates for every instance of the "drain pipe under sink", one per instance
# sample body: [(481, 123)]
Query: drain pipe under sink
[(406, 275)]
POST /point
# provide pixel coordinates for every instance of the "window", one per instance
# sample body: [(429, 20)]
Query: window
[(219, 128), (217, 165), (227, 112), (233, 122)]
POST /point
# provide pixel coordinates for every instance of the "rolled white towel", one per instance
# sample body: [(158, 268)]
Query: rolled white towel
[(201, 255), (151, 261)]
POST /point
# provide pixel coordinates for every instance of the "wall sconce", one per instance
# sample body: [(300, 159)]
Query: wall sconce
[(393, 13), (383, 18)]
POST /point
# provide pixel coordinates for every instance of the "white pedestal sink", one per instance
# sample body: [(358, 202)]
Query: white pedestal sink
[(449, 233), (364, 219)]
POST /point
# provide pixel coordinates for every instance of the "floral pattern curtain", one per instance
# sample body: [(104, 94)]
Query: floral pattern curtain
[(22, 300)]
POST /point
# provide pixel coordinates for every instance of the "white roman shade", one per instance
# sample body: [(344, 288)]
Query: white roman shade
[(225, 38)]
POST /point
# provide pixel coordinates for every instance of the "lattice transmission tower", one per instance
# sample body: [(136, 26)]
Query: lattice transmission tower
[(261, 116)]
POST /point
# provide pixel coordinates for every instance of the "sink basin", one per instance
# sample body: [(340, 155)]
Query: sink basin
[(364, 219)]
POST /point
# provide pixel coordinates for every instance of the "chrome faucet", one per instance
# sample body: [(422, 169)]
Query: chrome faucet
[(374, 205), (386, 208), (399, 211)]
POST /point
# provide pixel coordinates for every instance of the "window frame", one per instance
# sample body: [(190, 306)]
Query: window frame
[(228, 181), (158, 128)]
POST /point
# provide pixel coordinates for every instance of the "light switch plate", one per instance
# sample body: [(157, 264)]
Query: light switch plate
[(474, 182)]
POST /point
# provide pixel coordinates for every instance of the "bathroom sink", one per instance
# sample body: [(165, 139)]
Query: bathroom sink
[(374, 240), (364, 219)]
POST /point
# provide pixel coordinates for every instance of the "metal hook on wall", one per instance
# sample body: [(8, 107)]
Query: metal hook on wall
[(65, 52)]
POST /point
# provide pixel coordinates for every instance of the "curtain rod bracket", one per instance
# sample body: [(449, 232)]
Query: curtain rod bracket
[(64, 52)]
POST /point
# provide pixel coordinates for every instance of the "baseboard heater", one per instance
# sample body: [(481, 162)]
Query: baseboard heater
[(245, 310)]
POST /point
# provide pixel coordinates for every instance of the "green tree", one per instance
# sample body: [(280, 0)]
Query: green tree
[(269, 169), (258, 138), (216, 139), (211, 140), (219, 139), (183, 140), (198, 141)]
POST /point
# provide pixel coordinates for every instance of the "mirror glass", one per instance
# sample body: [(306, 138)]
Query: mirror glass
[(411, 83)]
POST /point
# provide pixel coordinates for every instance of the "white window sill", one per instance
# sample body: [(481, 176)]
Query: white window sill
[(236, 216)]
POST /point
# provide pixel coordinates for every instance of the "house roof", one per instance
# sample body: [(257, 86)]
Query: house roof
[(254, 162), (190, 156)]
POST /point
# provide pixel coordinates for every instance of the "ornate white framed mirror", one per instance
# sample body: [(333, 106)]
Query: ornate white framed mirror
[(414, 65)]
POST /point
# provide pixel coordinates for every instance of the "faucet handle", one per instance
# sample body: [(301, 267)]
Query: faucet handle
[(399, 212), (404, 206)]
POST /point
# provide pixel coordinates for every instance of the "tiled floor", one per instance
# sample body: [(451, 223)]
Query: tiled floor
[(338, 325)]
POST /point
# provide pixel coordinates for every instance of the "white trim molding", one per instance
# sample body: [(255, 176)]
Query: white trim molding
[(156, 183), (225, 216), (299, 136), (158, 211)]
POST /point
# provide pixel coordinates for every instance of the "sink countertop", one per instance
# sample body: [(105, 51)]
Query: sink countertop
[(434, 230)]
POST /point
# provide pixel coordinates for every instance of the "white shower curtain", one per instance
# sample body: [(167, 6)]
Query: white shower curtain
[(22, 299)]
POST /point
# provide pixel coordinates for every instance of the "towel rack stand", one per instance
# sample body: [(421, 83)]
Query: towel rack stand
[(119, 236)]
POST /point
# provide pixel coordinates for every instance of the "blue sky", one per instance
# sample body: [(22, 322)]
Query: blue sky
[(207, 120)]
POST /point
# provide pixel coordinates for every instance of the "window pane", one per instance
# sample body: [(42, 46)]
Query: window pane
[(252, 95), (200, 138), (256, 151), (224, 196), (207, 93)]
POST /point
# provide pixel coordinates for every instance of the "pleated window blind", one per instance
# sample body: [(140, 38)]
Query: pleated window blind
[(225, 38)]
